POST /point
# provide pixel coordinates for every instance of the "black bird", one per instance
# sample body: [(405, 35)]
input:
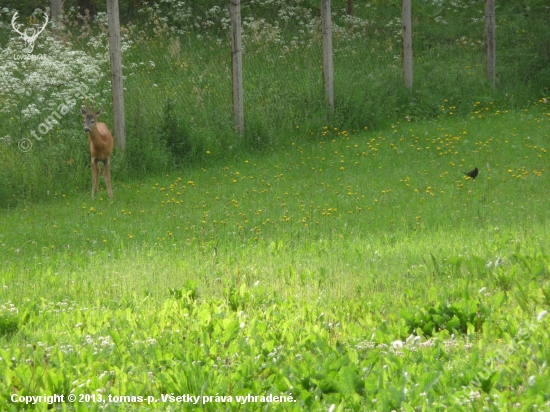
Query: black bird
[(472, 173)]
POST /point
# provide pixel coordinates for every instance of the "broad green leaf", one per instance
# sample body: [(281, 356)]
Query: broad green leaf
[(487, 384), (429, 380), (407, 407), (454, 323)]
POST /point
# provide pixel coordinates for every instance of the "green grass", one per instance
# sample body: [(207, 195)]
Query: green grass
[(293, 271), (178, 80)]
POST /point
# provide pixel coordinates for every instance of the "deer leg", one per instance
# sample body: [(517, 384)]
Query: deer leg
[(95, 176), (107, 176)]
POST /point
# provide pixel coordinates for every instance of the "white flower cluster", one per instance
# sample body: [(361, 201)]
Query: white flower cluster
[(33, 86), (40, 85), (8, 308)]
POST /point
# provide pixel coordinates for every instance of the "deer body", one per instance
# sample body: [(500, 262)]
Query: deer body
[(101, 145)]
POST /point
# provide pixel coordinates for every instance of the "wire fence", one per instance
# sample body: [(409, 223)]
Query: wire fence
[(283, 77), (178, 72)]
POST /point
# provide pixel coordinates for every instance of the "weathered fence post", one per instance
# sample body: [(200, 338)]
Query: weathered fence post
[(117, 92), (328, 73), (237, 66), (407, 51), (490, 41), (56, 8)]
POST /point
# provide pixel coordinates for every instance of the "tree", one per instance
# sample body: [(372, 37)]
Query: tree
[(56, 10)]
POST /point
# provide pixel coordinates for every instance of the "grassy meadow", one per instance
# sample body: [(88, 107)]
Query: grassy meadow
[(177, 80), (322, 261), (349, 271)]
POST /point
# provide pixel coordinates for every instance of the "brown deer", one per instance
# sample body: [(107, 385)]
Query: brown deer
[(101, 145)]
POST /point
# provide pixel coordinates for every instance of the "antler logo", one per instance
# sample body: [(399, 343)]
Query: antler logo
[(29, 35)]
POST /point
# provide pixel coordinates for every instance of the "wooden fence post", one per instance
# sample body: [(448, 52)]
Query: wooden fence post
[(56, 8), (407, 51), (237, 66), (117, 92), (328, 73), (490, 41)]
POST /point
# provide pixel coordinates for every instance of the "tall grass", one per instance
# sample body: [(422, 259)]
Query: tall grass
[(364, 257), (352, 203), (178, 82)]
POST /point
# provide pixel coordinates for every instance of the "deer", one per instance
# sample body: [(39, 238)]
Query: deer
[(101, 145)]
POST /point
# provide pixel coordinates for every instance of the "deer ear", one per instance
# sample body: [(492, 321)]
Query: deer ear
[(84, 112), (98, 112)]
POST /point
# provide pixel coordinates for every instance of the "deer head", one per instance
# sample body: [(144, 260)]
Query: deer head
[(29, 39), (90, 117)]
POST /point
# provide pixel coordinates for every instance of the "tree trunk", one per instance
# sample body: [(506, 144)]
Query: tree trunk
[(407, 43), (328, 73), (116, 74), (56, 10), (490, 41), (237, 66)]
